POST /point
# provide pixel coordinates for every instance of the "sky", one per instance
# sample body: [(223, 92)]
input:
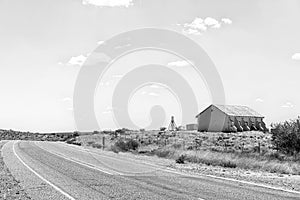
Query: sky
[(254, 45)]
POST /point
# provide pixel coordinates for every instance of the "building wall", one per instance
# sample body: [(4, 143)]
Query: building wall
[(204, 119), (212, 120), (219, 120), (191, 127)]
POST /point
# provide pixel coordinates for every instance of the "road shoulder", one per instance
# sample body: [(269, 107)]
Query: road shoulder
[(280, 181), (10, 188), (35, 187)]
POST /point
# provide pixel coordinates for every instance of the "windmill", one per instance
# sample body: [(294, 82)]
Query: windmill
[(172, 126)]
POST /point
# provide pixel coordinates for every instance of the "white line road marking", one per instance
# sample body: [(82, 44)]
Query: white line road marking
[(170, 170), (156, 167), (112, 158), (95, 167), (89, 165), (42, 178)]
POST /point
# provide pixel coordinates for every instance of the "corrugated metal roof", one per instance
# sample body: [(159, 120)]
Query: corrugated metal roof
[(234, 110)]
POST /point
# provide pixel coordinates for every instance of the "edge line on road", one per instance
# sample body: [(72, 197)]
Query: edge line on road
[(171, 170), (91, 166), (41, 177)]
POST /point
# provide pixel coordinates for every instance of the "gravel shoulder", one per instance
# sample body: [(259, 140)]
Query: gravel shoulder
[(288, 182), (283, 181), (10, 188)]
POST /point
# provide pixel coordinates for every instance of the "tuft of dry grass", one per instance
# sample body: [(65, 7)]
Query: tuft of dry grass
[(232, 160), (231, 150)]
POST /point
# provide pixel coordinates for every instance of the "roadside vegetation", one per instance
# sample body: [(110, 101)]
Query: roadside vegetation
[(19, 135), (275, 152), (286, 137)]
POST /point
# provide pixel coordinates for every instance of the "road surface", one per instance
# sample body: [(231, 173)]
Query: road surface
[(49, 170)]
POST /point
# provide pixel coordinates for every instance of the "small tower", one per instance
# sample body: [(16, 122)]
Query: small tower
[(172, 126)]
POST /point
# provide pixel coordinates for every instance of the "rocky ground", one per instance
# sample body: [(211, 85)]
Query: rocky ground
[(283, 181), (9, 186), (223, 142), (18, 135), (289, 182)]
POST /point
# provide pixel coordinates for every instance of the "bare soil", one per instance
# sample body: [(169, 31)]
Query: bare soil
[(10, 188), (283, 181)]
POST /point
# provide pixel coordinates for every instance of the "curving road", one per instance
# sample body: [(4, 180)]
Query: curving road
[(49, 170)]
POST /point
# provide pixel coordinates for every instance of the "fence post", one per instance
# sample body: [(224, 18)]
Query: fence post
[(242, 147), (103, 142)]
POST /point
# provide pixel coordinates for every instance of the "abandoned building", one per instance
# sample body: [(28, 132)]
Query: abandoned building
[(229, 118), (191, 127)]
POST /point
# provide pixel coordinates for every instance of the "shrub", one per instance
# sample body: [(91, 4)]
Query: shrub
[(163, 128), (123, 145), (286, 137), (73, 141), (180, 159), (114, 149), (90, 143), (276, 156), (96, 145), (164, 152), (70, 141), (177, 146), (132, 144), (77, 143)]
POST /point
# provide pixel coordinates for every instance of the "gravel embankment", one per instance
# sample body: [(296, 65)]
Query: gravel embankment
[(284, 181), (9, 186)]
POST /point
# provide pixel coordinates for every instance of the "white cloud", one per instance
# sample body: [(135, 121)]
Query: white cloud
[(100, 42), (153, 94), (77, 60), (216, 26), (179, 63), (108, 3), (107, 83), (67, 99), (191, 31), (209, 21), (199, 25), (287, 105), (296, 56), (108, 110), (259, 100), (117, 76), (97, 57), (226, 21), (68, 102), (155, 86)]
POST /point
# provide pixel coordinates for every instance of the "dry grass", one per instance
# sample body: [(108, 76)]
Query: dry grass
[(232, 150), (232, 160)]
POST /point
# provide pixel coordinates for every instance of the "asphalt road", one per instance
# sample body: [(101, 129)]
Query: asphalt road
[(49, 170)]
